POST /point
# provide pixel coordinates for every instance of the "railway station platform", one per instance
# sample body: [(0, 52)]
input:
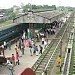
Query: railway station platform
[(26, 61)]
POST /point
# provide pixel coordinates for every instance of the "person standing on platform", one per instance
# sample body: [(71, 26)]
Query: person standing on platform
[(13, 59), (17, 49), (30, 49), (22, 39), (59, 62), (41, 48), (22, 48), (9, 45), (17, 58), (5, 44), (3, 50), (37, 51), (46, 34), (43, 40), (20, 44), (45, 44), (24, 35), (33, 42)]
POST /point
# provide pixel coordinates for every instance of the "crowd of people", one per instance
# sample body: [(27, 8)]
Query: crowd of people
[(31, 43)]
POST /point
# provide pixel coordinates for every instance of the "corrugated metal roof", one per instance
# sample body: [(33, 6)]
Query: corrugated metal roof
[(48, 14)]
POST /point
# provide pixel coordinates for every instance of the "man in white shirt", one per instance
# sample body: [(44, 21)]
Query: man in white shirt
[(5, 44), (42, 41)]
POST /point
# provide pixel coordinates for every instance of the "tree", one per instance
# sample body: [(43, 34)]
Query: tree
[(34, 7), (54, 7)]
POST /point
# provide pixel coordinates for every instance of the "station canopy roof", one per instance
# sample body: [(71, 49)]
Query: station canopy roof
[(48, 14)]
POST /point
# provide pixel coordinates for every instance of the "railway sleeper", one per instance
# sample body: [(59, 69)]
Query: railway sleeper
[(46, 56), (46, 59), (74, 56), (74, 60), (39, 69), (73, 72), (38, 73), (50, 52), (54, 57), (41, 66), (50, 67), (74, 66), (73, 69), (52, 61)]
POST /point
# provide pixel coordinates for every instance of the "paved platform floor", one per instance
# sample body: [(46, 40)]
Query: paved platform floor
[(25, 61)]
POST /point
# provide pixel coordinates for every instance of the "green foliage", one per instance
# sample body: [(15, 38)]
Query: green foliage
[(39, 7), (10, 14), (6, 23)]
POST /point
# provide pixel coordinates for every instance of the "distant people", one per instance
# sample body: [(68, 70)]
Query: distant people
[(20, 44), (8, 61), (17, 58), (46, 34), (45, 43), (37, 51), (34, 49), (41, 48), (9, 65), (24, 35), (5, 44), (22, 39), (59, 61), (13, 59), (38, 36), (9, 45), (43, 40), (22, 48), (3, 49), (30, 49), (17, 49), (33, 42)]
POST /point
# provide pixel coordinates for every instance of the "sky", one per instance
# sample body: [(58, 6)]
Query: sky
[(4, 4)]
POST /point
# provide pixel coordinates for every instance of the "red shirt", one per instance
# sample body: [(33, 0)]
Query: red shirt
[(13, 58)]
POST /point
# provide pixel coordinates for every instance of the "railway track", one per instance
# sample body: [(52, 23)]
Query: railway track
[(69, 64), (66, 66), (50, 52), (72, 63), (47, 60)]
